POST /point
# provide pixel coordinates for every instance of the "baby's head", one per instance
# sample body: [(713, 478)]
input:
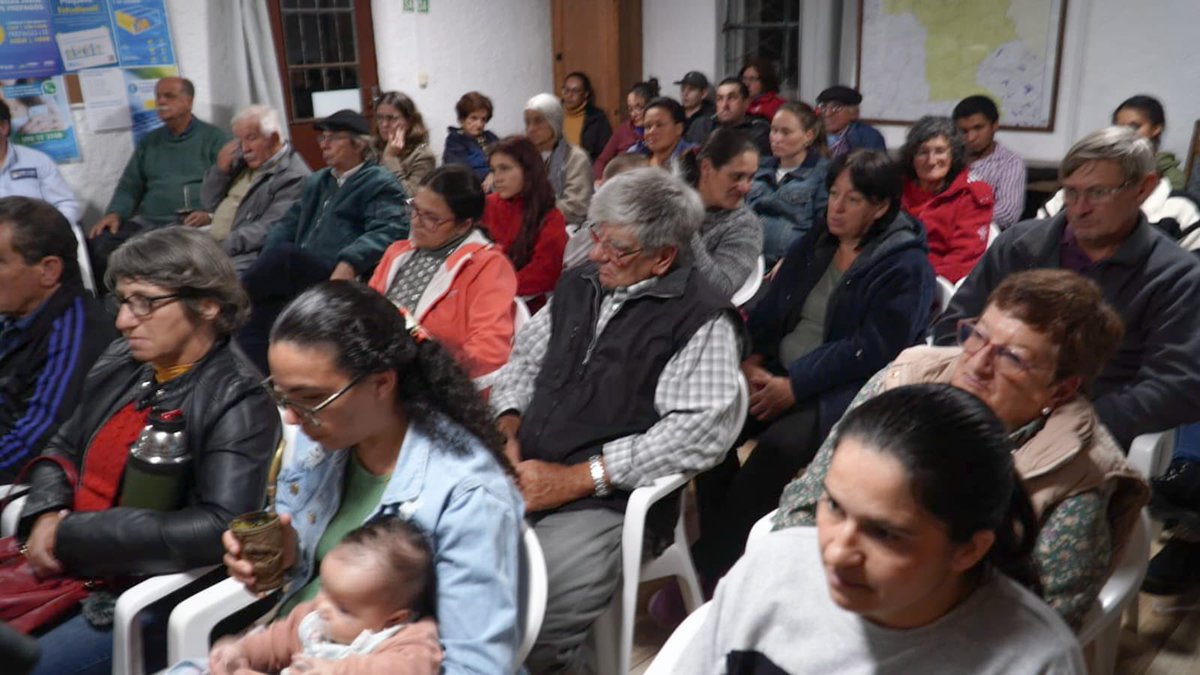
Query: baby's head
[(378, 576)]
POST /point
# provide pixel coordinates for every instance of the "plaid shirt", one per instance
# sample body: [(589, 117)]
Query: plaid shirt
[(697, 396), (1004, 170)]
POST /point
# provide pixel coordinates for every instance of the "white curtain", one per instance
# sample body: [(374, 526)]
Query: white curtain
[(248, 72)]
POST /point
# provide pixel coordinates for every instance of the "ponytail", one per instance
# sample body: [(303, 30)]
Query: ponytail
[(1016, 538)]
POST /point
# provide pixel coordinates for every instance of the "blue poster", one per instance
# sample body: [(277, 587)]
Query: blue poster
[(83, 33), (41, 118), (139, 86), (26, 39), (143, 37)]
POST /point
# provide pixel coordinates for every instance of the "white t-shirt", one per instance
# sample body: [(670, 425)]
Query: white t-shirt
[(774, 607)]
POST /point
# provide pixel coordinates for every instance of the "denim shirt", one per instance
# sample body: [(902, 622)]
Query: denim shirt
[(789, 207), (472, 512)]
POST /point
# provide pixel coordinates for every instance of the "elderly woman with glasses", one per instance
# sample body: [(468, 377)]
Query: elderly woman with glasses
[(392, 426), (1042, 338), (447, 274), (938, 190), (177, 302)]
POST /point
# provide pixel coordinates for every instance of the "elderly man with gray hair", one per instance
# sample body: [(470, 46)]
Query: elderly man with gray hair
[(256, 179), (1153, 382), (630, 373)]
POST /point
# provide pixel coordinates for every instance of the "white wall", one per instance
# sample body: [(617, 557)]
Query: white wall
[(679, 36), (502, 49), (1112, 50)]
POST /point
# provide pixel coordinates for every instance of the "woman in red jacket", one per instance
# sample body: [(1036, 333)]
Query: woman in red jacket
[(521, 218), (938, 191)]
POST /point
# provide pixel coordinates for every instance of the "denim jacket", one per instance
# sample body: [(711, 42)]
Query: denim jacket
[(789, 207), (472, 512)]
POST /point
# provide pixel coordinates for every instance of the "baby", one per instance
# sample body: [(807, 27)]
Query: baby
[(375, 584)]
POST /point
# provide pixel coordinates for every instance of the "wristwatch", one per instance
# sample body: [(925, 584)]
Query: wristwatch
[(596, 468)]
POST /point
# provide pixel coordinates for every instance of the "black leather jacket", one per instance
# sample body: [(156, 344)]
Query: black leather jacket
[(232, 428)]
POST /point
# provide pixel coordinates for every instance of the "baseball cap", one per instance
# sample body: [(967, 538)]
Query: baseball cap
[(695, 79)]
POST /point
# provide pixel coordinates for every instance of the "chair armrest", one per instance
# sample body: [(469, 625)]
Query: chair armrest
[(12, 516), (641, 499), (193, 620), (127, 628), (667, 660), (1151, 453)]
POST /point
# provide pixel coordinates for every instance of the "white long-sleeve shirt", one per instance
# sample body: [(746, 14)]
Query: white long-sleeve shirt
[(31, 173)]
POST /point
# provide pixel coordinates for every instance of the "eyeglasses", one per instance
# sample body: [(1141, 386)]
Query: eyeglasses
[(331, 137), (1006, 361), (615, 253), (307, 414), (389, 118), (141, 306), (830, 108), (750, 78), (572, 90), (1094, 195), (424, 216)]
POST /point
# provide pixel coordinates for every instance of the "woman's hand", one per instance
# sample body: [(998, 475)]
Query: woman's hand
[(242, 570), (395, 144), (40, 544), (770, 396), (228, 658)]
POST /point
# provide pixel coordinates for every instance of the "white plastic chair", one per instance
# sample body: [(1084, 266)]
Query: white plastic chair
[(761, 528), (84, 260), (12, 513), (1150, 454), (521, 317), (993, 232), (128, 646), (666, 662), (751, 286), (194, 619), (945, 291), (613, 631), (1101, 630)]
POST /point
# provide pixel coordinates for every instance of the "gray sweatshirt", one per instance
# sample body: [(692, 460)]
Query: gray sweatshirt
[(775, 606), (727, 247)]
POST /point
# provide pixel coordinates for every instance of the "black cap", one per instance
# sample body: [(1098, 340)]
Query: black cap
[(840, 94), (344, 120), (695, 79)]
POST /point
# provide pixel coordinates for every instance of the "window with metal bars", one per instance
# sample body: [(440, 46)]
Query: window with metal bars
[(764, 29), (320, 50)]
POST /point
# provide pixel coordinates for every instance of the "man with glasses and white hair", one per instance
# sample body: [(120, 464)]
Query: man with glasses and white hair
[(1153, 382), (256, 179), (630, 373)]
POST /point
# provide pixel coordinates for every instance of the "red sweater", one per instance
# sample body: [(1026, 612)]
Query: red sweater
[(623, 137), (765, 105), (956, 223), (502, 220)]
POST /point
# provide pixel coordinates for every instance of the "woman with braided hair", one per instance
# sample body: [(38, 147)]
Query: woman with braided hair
[(393, 426)]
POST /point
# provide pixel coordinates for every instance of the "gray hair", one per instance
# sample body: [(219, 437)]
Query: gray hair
[(266, 117), (550, 108), (188, 262), (364, 144), (928, 128), (660, 208), (1122, 145)]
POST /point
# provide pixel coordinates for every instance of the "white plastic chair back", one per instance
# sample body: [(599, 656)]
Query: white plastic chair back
[(533, 588), (761, 528), (521, 315), (666, 662), (993, 232), (751, 286), (85, 262), (945, 291), (1102, 630)]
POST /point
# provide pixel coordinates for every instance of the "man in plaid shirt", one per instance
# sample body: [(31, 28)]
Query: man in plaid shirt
[(978, 119), (630, 373)]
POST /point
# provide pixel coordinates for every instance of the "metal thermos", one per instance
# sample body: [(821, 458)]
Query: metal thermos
[(157, 473)]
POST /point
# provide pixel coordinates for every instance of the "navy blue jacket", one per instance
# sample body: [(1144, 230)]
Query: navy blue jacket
[(463, 149), (880, 308)]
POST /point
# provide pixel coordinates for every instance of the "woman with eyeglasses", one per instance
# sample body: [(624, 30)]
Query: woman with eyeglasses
[(584, 124), (762, 82), (919, 561), (402, 140), (177, 302), (520, 216), (392, 426), (449, 275), (938, 191), (1041, 340), (629, 131), (847, 298)]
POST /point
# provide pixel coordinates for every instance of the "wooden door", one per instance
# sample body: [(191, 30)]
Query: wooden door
[(322, 45), (602, 38)]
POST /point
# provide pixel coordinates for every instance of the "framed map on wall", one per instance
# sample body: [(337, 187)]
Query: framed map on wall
[(920, 57)]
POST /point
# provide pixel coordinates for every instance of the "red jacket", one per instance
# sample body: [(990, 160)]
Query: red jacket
[(469, 303), (956, 223), (622, 139), (502, 220), (765, 105)]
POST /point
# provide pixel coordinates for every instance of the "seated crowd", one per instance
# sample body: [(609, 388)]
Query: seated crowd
[(523, 336)]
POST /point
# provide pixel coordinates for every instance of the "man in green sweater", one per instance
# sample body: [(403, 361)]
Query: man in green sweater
[(167, 161)]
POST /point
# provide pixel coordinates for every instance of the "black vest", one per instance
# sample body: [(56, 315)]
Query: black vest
[(580, 402)]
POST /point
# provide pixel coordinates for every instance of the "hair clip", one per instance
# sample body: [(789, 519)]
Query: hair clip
[(416, 330)]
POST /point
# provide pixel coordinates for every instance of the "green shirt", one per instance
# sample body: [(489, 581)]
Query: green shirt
[(361, 498), (152, 184)]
